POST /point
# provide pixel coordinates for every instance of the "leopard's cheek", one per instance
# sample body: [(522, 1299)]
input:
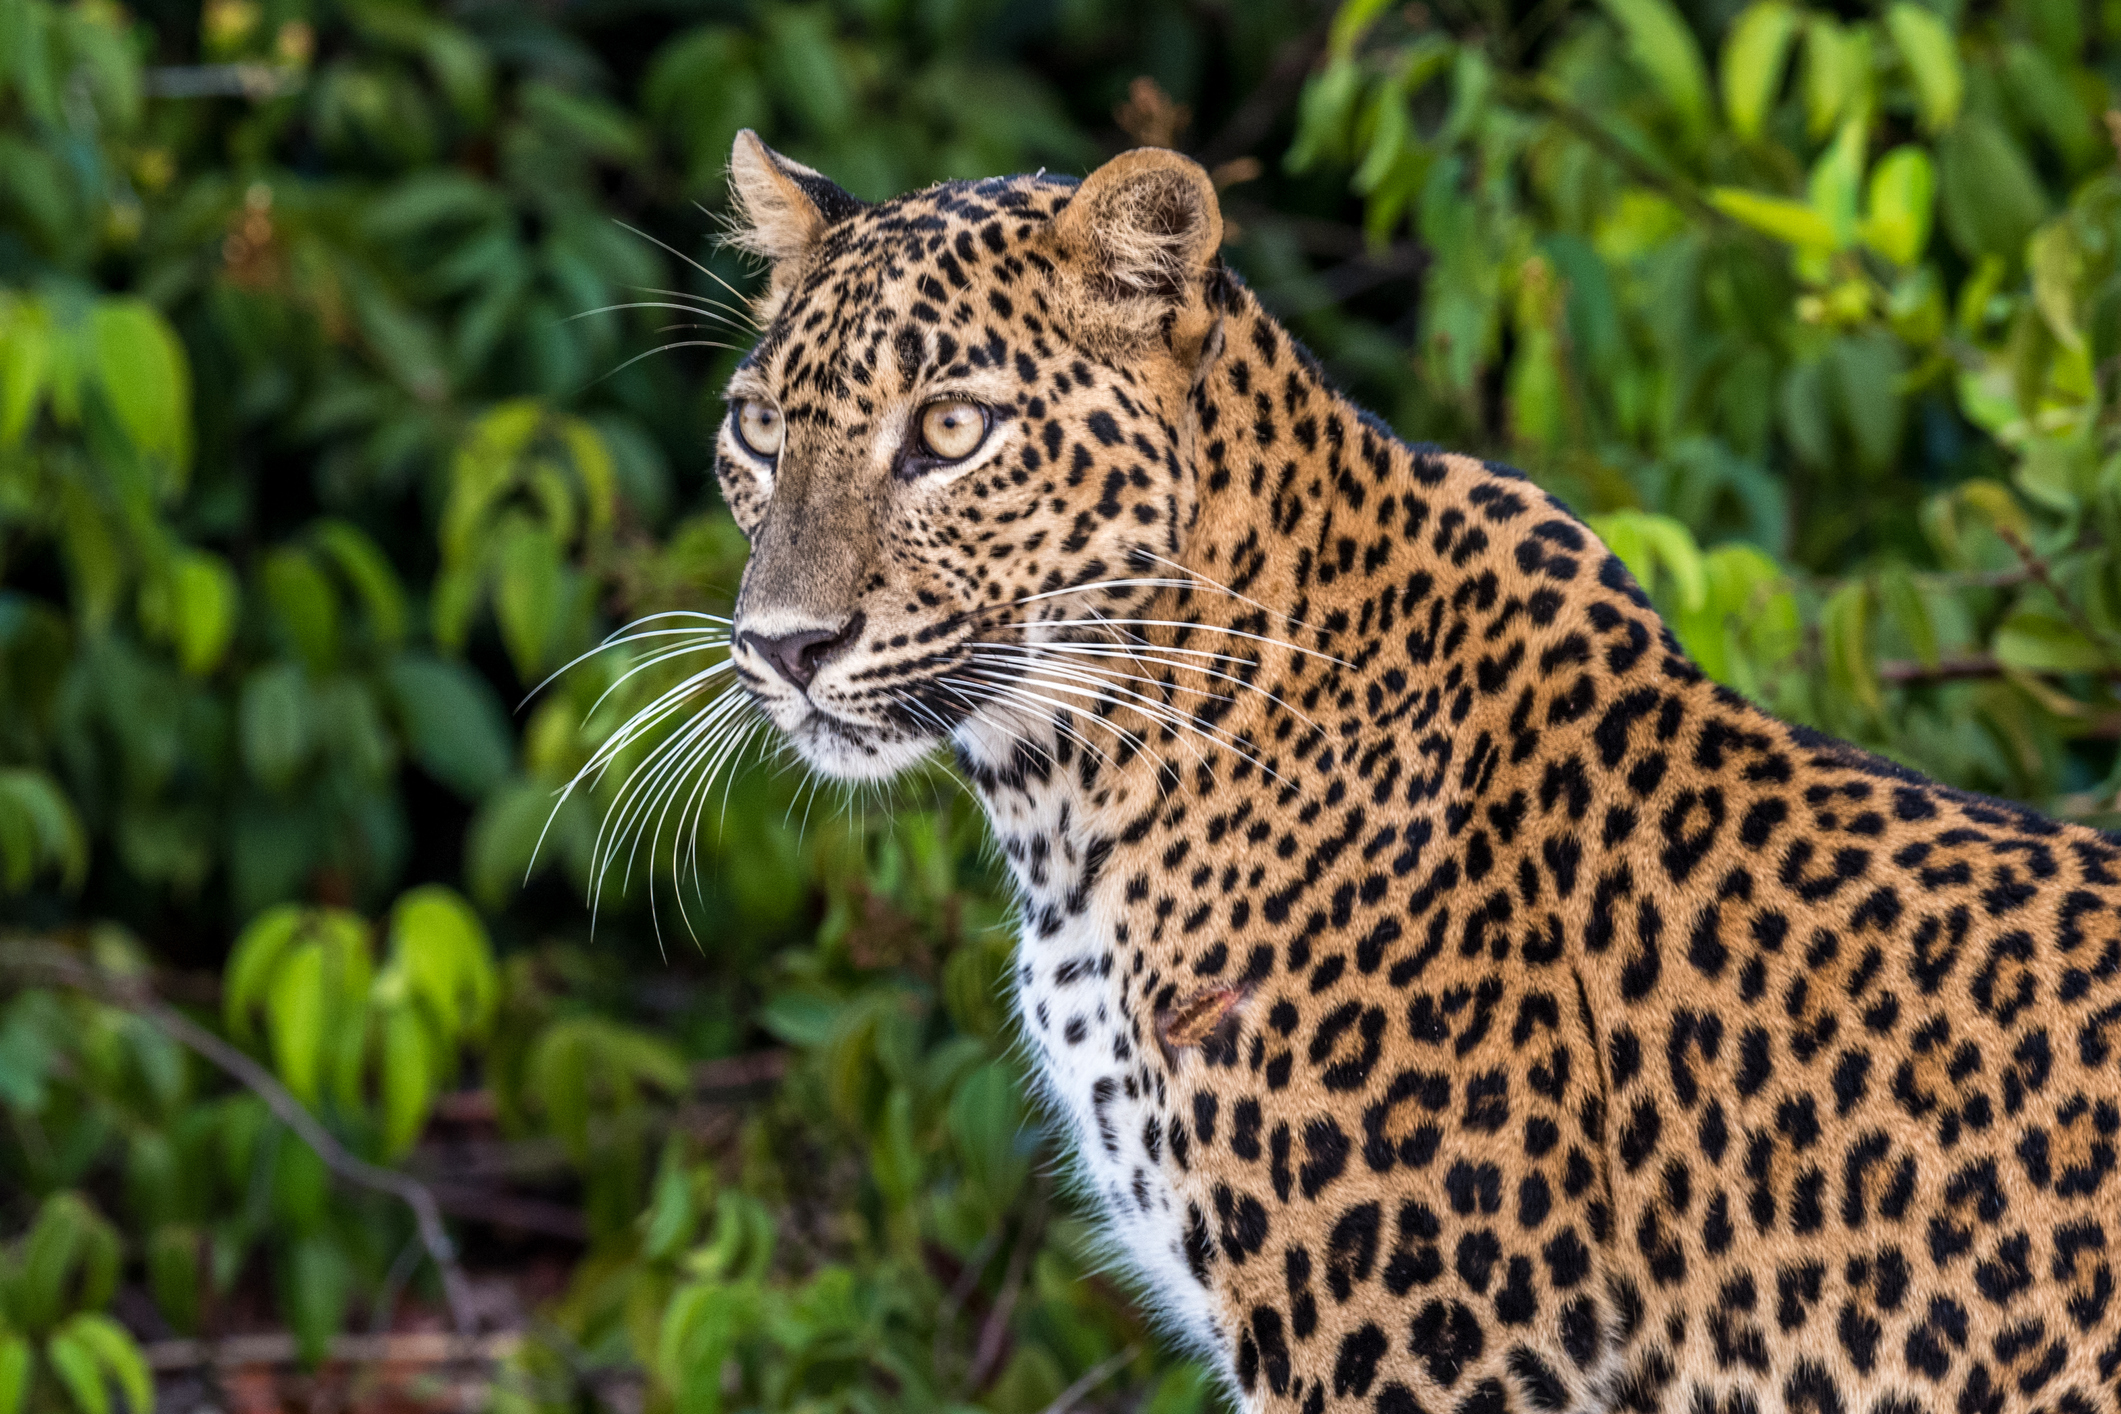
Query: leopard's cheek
[(746, 489)]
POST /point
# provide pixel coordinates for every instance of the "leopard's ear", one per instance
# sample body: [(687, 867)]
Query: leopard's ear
[(783, 207), (1147, 222)]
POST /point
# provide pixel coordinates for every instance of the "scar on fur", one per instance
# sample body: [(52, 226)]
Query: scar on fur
[(1195, 1020)]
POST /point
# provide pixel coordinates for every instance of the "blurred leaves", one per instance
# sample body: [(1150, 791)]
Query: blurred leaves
[(1871, 477)]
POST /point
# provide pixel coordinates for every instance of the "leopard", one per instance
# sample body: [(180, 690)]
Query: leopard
[(1453, 999)]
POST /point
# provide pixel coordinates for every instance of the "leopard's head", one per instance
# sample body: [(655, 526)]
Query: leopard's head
[(968, 406)]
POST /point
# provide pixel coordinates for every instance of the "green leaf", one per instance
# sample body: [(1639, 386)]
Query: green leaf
[(1904, 603), (1662, 45), (1932, 56), (2058, 265), (1791, 221), (1753, 60), (1836, 75), (986, 1120), (146, 378), (174, 1275), (1903, 191), (252, 963), (529, 594), (79, 1372), (25, 367), (1835, 181), (68, 1261), (297, 1011), (1349, 24), (1867, 371), (277, 724), (1845, 629), (316, 1286), (1991, 198), (667, 1225), (115, 1355), (411, 1077), (303, 602), (14, 1372), (2045, 643), (440, 942), (204, 600), (38, 830), (453, 723), (369, 571)]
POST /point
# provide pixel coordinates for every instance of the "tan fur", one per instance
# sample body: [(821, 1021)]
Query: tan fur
[(1458, 1002)]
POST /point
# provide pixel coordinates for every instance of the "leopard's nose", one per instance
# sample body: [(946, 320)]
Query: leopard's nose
[(797, 656)]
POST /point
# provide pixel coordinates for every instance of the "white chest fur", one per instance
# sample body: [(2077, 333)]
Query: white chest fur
[(1084, 1025)]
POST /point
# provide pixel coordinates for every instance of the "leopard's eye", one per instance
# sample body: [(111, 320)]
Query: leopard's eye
[(760, 425), (952, 430)]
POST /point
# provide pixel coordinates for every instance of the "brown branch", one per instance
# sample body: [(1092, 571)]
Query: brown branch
[(65, 969), (994, 1331), (1649, 171), (2036, 565), (1911, 672), (1090, 1379), (280, 1348)]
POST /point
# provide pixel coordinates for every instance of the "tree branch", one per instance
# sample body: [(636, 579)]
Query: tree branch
[(64, 968)]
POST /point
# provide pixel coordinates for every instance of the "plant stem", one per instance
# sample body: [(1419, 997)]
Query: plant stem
[(67, 970)]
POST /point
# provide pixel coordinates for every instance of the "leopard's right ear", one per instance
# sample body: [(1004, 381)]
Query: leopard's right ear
[(782, 206)]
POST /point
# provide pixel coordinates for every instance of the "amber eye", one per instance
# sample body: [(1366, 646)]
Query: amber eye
[(952, 431), (760, 425)]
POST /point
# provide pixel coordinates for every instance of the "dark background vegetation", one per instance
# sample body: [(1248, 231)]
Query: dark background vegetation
[(358, 370)]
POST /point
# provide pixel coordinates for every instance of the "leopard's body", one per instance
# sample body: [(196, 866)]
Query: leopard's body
[(1458, 1002)]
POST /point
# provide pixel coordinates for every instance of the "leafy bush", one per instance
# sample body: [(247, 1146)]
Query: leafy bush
[(337, 413)]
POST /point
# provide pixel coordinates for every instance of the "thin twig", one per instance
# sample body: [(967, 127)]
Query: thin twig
[(1910, 672), (2036, 565), (68, 970), (961, 1290), (1091, 1378), (280, 1348), (1648, 170), (994, 1331)]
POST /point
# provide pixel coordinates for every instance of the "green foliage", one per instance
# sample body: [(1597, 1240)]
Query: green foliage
[(1844, 316), (356, 366), (54, 1338)]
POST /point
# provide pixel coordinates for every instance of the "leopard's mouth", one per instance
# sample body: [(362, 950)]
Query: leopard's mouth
[(854, 751)]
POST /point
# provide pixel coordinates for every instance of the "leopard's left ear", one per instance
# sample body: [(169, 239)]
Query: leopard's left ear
[(783, 207), (1147, 221)]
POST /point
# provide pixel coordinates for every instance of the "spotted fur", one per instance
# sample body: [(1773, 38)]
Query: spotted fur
[(1459, 1003)]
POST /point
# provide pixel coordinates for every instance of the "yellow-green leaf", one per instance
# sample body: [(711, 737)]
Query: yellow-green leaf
[(2043, 643), (1836, 179), (1932, 55), (411, 1077), (1836, 74), (1664, 48), (1902, 198), (1753, 60), (1790, 221), (115, 1354), (204, 598), (2057, 263), (14, 1372), (1903, 601), (297, 1011), (147, 380), (1845, 629), (25, 370)]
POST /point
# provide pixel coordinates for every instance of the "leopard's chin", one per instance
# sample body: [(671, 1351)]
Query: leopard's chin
[(848, 751)]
